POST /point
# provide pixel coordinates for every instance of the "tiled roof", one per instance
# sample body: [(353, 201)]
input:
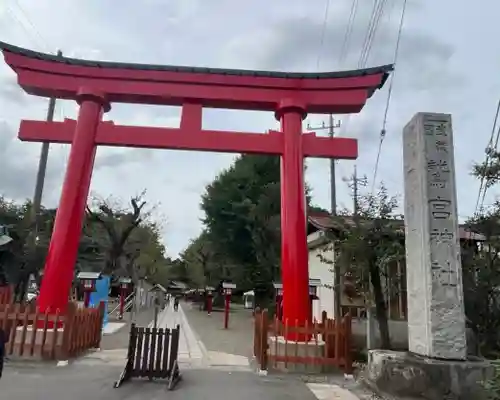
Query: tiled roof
[(324, 221)]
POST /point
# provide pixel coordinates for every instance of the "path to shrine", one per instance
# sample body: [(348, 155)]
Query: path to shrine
[(210, 371)]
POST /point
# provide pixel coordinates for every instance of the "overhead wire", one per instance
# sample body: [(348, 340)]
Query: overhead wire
[(483, 185), (389, 93), (346, 41), (487, 184), (373, 24), (344, 50), (323, 33), (32, 25), (11, 12), (366, 48), (40, 41)]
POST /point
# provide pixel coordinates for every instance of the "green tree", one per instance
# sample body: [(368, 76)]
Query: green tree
[(25, 255), (242, 219), (366, 245), (481, 279), (201, 262), (233, 222)]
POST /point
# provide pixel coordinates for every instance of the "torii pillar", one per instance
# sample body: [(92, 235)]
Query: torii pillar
[(294, 251), (63, 248)]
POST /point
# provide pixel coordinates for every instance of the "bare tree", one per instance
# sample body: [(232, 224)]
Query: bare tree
[(119, 224)]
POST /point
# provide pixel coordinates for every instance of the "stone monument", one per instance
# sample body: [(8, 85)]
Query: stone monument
[(436, 319), (436, 365)]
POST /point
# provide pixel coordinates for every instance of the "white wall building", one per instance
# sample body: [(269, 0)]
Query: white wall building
[(319, 250)]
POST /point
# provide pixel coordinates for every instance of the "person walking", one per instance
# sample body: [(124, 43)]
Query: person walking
[(176, 304)]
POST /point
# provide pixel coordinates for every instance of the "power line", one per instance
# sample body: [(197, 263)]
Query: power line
[(348, 33), (37, 32), (373, 24), (389, 93), (323, 33), (483, 186), (368, 41)]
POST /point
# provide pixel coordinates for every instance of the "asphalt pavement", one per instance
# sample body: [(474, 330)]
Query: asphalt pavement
[(80, 382)]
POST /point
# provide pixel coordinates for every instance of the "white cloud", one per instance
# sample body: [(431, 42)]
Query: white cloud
[(449, 62)]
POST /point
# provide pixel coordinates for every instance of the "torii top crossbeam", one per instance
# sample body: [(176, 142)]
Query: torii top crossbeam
[(329, 92), (192, 88)]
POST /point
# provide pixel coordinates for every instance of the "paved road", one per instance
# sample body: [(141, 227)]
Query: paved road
[(192, 351), (119, 339), (238, 339), (210, 373), (79, 382)]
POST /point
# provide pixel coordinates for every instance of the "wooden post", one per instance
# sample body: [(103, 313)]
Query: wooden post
[(256, 333), (263, 340), (69, 321), (102, 310), (347, 344)]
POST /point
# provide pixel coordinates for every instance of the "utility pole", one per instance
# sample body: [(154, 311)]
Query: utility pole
[(332, 125), (354, 182), (355, 192), (337, 308), (42, 169), (370, 323)]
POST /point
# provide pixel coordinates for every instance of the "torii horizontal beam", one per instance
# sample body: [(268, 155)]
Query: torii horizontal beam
[(321, 93), (185, 138)]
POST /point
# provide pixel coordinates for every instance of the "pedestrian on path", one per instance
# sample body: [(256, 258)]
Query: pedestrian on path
[(176, 304)]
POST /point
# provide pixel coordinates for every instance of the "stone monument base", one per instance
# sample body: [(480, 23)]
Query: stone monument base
[(407, 375), (277, 346)]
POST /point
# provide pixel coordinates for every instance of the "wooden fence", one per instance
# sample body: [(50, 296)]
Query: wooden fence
[(335, 338), (6, 294), (152, 354), (50, 335)]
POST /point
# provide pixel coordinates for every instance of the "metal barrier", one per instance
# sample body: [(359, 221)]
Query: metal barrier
[(152, 354), (128, 303)]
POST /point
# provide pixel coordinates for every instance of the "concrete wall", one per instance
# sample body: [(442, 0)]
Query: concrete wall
[(320, 270), (398, 331)]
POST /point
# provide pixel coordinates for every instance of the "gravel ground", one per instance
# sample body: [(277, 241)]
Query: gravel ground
[(238, 339)]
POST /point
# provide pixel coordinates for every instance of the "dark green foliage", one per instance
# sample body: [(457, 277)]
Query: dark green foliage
[(481, 281), (241, 240), (242, 208), (492, 386)]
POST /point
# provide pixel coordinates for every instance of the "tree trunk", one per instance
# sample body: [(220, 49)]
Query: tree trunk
[(380, 308)]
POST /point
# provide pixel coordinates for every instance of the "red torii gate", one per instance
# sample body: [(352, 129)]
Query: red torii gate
[(95, 85)]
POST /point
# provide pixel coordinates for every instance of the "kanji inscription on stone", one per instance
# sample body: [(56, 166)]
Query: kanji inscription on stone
[(436, 320)]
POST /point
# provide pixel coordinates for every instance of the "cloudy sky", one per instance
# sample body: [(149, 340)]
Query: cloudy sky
[(449, 62)]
